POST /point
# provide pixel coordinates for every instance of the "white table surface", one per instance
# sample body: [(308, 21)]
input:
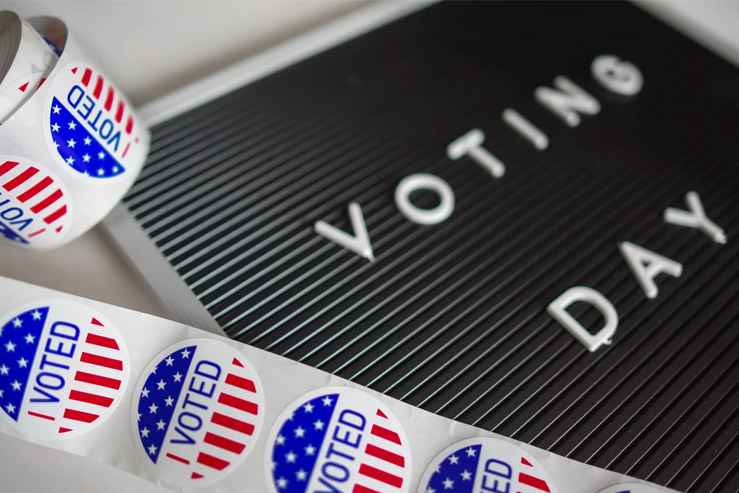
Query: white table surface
[(150, 49)]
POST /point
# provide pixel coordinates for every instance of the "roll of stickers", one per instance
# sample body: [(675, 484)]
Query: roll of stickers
[(188, 409), (71, 145)]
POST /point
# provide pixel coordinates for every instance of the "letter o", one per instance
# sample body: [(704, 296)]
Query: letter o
[(195, 421), (14, 210), (105, 131), (56, 383), (338, 468), (424, 181)]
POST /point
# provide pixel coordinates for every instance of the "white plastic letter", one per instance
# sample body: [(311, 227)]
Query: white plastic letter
[(528, 130), (471, 143), (359, 243), (617, 76), (567, 100), (424, 181), (695, 218), (645, 264), (558, 310)]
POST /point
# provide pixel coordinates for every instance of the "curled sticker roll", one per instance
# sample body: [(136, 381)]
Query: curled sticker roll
[(70, 152), (30, 59)]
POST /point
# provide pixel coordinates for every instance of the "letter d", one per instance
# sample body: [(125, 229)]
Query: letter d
[(558, 310)]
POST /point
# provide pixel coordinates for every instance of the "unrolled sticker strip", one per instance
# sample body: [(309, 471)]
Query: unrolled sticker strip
[(629, 488)]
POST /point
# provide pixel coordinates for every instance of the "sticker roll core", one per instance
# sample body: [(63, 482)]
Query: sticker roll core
[(74, 134)]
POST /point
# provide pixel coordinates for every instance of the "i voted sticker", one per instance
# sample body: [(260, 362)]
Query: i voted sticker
[(89, 126), (197, 411), (63, 368), (630, 488), (338, 439), (485, 465), (35, 206)]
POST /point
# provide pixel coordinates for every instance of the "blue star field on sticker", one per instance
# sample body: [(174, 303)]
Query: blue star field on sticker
[(80, 149), (457, 472)]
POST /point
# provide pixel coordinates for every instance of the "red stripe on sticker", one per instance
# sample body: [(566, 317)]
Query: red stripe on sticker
[(525, 462), (86, 76), (64, 430), (96, 359), (224, 443), (43, 416), (37, 232), (381, 414), (36, 189), (212, 461), (75, 415), (23, 87), (98, 87), (97, 400), (196, 475), (56, 195), (97, 322), (129, 124), (388, 435), (111, 383), (178, 458), (241, 404), (358, 488), (537, 483), (7, 166), (20, 179), (55, 215), (240, 382), (237, 363), (102, 341), (109, 98), (385, 455), (119, 111), (380, 475), (232, 423)]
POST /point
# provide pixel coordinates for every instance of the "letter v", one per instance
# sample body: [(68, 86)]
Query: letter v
[(359, 243)]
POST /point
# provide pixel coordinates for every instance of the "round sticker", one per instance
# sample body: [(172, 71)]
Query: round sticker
[(197, 411), (484, 464), (89, 127), (338, 439), (63, 368), (35, 206), (630, 488)]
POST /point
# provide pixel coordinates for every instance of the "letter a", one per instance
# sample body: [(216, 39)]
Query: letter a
[(645, 264), (359, 243), (558, 310)]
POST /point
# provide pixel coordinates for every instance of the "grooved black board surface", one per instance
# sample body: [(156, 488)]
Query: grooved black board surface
[(452, 317)]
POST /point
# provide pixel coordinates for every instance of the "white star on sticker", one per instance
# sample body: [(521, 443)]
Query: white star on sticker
[(448, 484), (308, 408), (153, 409), (282, 483), (72, 125), (185, 354), (280, 440), (10, 408), (36, 315), (299, 432), (115, 169), (169, 401), (160, 384), (101, 155), (430, 490), (86, 158), (16, 385), (327, 401), (471, 452), (152, 449), (169, 360), (22, 363), (101, 171), (87, 141), (453, 459), (310, 450), (145, 392), (10, 347), (318, 425), (466, 475), (29, 338), (71, 143), (160, 424), (145, 432), (56, 109), (4, 370), (1, 393), (17, 322), (290, 457), (55, 128), (301, 475), (177, 377), (70, 160)]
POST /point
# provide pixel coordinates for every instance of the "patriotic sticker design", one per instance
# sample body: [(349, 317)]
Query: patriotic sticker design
[(338, 439), (89, 127), (630, 488), (35, 207), (197, 411), (485, 465), (63, 369)]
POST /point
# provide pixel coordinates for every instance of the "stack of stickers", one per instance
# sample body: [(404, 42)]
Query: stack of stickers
[(186, 408)]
